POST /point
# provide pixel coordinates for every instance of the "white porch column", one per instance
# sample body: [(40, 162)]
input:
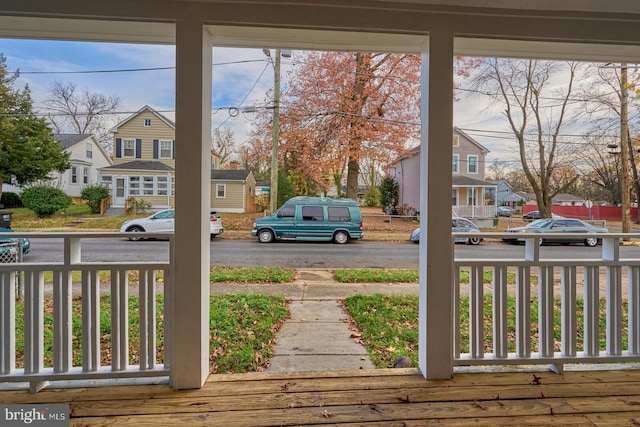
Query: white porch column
[(435, 346), (190, 353)]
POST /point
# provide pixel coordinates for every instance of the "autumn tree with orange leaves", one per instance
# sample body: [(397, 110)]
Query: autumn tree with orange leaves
[(340, 109)]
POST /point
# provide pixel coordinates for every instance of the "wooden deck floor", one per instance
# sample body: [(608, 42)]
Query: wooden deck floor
[(392, 397)]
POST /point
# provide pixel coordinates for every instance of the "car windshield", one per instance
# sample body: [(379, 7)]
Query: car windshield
[(539, 223)]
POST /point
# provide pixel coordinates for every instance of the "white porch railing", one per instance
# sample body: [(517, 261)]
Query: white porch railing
[(68, 295), (478, 211), (510, 339), (498, 344)]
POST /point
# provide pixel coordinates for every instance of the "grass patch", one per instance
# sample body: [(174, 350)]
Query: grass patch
[(375, 275), (388, 325), (216, 275), (252, 275), (242, 331)]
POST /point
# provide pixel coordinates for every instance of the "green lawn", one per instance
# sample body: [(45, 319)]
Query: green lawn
[(388, 325), (242, 331)]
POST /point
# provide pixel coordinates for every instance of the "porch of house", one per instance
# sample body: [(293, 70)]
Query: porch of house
[(364, 397)]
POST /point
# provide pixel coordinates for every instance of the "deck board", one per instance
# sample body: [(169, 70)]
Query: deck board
[(360, 398)]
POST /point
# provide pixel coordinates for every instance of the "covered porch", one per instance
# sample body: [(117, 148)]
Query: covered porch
[(437, 32)]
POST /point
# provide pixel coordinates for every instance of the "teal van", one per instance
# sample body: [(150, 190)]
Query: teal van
[(312, 219)]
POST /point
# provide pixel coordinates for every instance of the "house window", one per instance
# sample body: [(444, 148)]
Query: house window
[(472, 166), (148, 186), (471, 197), (85, 176), (162, 186), (166, 149), (221, 191), (454, 164), (456, 141), (74, 175), (106, 181), (128, 148), (147, 123), (89, 148), (454, 197), (134, 185)]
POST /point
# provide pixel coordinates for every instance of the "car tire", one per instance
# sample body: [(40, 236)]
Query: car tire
[(265, 236), (340, 237), (213, 236), (591, 242), (135, 229), (475, 240)]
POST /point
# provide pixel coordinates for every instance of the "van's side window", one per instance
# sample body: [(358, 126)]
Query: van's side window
[(339, 214), (287, 212), (312, 213)]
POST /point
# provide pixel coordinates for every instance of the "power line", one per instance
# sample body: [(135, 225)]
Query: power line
[(127, 70)]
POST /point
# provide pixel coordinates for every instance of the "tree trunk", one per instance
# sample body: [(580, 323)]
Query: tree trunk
[(353, 169)]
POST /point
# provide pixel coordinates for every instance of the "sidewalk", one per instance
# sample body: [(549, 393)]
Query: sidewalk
[(317, 336)]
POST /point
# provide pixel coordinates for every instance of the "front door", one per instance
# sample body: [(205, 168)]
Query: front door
[(120, 193)]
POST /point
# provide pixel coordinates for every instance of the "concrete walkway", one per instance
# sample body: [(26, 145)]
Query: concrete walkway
[(317, 336)]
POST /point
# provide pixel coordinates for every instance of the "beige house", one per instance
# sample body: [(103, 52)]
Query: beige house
[(469, 189), (144, 167), (233, 190), (143, 160)]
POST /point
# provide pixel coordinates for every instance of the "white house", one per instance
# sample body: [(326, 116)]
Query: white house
[(86, 156)]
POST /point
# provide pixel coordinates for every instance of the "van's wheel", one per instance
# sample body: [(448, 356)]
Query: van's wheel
[(135, 229), (265, 236), (474, 240), (341, 237), (591, 242)]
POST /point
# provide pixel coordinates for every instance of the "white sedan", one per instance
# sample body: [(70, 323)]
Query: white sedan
[(163, 222)]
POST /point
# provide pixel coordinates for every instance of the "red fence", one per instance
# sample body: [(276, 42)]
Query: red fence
[(609, 213)]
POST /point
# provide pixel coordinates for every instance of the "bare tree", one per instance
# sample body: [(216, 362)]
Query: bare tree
[(223, 143), (604, 105), (536, 114), (601, 170), (497, 170), (83, 113)]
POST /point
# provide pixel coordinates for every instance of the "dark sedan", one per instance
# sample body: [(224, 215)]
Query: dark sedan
[(559, 225)]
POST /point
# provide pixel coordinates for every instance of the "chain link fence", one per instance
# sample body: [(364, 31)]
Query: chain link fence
[(11, 252)]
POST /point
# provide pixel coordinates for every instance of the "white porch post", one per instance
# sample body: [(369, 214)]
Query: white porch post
[(435, 347), (190, 361)]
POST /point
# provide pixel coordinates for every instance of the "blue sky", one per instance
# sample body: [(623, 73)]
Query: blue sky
[(241, 77)]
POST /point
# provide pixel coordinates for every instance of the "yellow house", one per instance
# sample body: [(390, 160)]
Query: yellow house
[(144, 167), (143, 160)]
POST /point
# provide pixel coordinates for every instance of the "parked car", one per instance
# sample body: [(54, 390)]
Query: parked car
[(163, 222), (9, 246), (311, 219), (559, 225), (533, 215), (505, 211), (461, 225)]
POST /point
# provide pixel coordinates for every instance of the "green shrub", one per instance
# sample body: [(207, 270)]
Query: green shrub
[(137, 206), (45, 200), (10, 200), (94, 194)]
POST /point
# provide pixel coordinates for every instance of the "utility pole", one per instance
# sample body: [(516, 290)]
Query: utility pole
[(624, 151), (275, 138)]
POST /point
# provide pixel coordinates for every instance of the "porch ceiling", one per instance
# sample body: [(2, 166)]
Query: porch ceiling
[(554, 29)]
